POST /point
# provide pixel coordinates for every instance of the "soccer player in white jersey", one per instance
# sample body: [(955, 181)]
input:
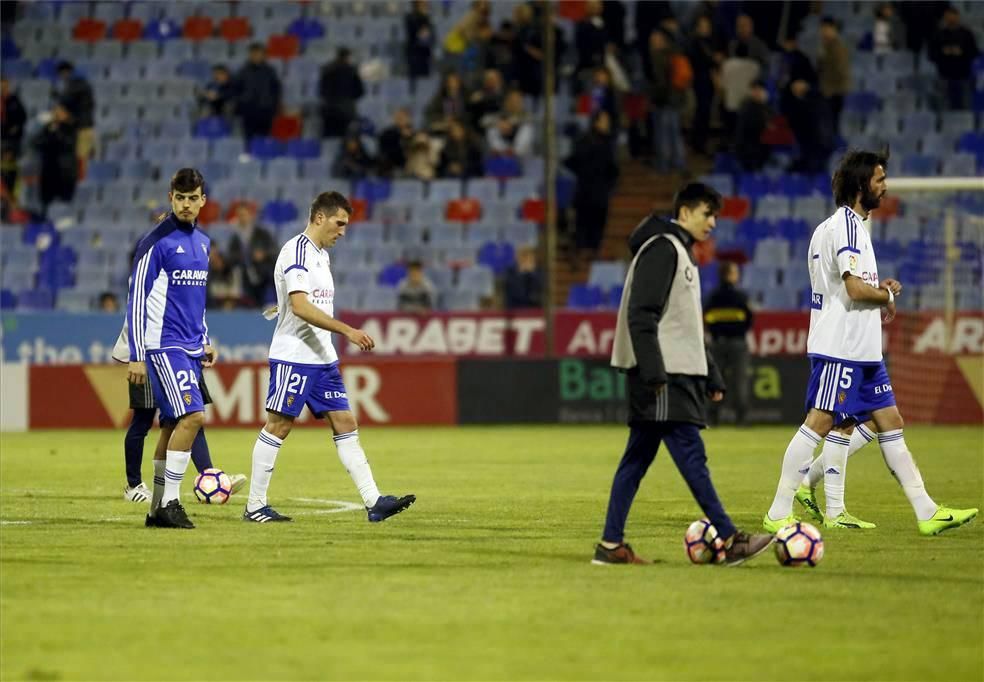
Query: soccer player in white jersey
[(304, 365), (849, 384)]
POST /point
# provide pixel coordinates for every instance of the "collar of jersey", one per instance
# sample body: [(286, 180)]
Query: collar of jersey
[(188, 227), (854, 212), (311, 242)]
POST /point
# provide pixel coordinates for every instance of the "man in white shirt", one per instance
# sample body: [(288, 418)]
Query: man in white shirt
[(304, 365), (849, 384)]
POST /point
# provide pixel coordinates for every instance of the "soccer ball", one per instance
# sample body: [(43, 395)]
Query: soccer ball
[(213, 486), (703, 544), (799, 544)]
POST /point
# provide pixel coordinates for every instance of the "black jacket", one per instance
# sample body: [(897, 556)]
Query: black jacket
[(77, 98), (655, 395), (727, 313), (258, 87)]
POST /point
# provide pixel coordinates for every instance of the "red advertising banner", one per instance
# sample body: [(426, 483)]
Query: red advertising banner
[(380, 391)]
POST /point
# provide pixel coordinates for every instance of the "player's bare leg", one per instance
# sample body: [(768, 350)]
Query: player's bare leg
[(932, 518), (353, 457), (265, 452)]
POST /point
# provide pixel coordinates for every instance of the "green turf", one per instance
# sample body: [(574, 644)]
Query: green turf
[(486, 577)]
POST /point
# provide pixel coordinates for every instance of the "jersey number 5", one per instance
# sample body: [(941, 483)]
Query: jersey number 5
[(846, 378)]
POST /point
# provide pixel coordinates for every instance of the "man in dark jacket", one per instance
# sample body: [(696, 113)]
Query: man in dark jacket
[(56, 145), (12, 119), (659, 341), (419, 40), (339, 88), (593, 163), (954, 49), (74, 93), (253, 250), (729, 318), (258, 88), (753, 119)]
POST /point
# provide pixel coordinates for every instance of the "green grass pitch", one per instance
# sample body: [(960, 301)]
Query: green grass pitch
[(487, 577)]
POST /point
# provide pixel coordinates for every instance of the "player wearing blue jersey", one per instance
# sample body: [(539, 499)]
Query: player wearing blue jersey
[(304, 365), (168, 337), (849, 384)]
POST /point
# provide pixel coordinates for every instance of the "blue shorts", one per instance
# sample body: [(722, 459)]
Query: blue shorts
[(851, 391), (174, 377), (292, 386)]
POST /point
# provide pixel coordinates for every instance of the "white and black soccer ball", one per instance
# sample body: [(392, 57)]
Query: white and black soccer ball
[(703, 544), (799, 544), (213, 486)]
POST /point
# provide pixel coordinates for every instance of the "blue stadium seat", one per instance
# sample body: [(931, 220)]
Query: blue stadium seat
[(407, 190), (384, 253), (497, 255), (365, 233), (444, 190), (304, 149), (960, 164), (606, 274), (392, 274), (35, 299), (754, 186), (922, 165), (279, 212), (521, 234), (212, 127), (372, 190), (862, 102), (518, 189), (162, 30), (919, 122), (503, 167), (585, 296), (479, 234), (483, 189), (266, 148), (17, 69), (428, 213), (102, 171), (197, 69), (8, 300), (722, 182)]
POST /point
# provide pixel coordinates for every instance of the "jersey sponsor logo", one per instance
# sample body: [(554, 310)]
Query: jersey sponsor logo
[(189, 277), (329, 395), (870, 278), (884, 388)]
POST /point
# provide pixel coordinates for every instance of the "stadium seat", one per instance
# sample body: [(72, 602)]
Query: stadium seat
[(102, 171), (585, 297), (407, 190), (304, 149), (305, 29), (497, 255), (441, 191), (503, 167), (533, 210), (233, 29), (197, 28), (365, 233), (722, 182), (282, 47), (8, 301), (89, 30), (210, 213), (920, 165), (279, 212), (479, 234), (960, 164), (464, 210), (211, 128), (606, 274), (286, 128), (483, 189), (127, 30), (754, 186), (389, 276), (162, 30), (266, 148), (35, 299), (735, 208), (862, 102), (477, 278)]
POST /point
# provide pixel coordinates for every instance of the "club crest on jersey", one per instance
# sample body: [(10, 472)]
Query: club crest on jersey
[(290, 400), (841, 397), (187, 398)]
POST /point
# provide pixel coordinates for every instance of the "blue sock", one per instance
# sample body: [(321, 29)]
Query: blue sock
[(133, 443), (199, 452)]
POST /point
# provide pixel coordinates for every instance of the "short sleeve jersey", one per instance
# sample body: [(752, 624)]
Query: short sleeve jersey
[(302, 266), (842, 329)]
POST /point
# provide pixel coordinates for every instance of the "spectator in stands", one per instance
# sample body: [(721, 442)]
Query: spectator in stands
[(888, 32), (601, 97), (748, 45), (594, 165), (416, 293), (953, 48), (512, 132), (448, 102), (666, 101), (753, 119), (524, 281), (486, 102), (502, 49), (75, 94), (258, 91), (339, 88), (421, 158), (224, 287), (353, 161), (729, 318), (613, 14), (12, 120), (705, 59), (462, 36), (647, 18), (795, 64), (812, 126), (393, 144), (253, 251), (527, 52), (218, 97), (56, 144), (461, 156), (419, 39), (590, 38), (834, 69), (108, 303)]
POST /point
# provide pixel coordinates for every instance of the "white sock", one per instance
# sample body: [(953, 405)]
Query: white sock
[(264, 457), (354, 460), (177, 464), (155, 501), (795, 464), (903, 467), (834, 458), (861, 437)]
